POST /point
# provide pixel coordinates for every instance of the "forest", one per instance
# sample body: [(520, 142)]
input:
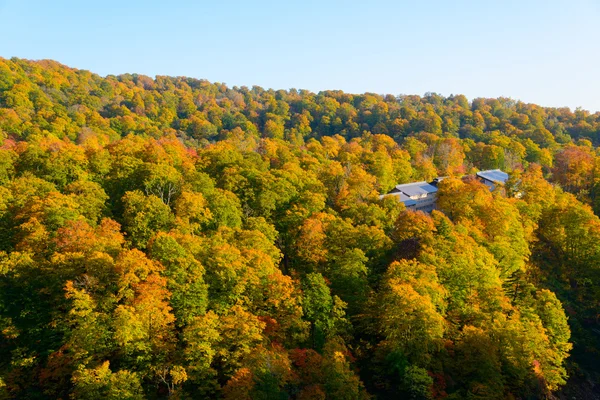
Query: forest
[(170, 237)]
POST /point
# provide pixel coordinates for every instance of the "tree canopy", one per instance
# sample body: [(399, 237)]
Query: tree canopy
[(172, 237)]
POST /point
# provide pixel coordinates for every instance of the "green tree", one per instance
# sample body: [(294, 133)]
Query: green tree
[(144, 216)]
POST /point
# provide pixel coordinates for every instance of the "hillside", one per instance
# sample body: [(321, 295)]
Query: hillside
[(173, 237)]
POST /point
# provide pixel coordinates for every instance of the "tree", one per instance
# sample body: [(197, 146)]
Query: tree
[(410, 309), (144, 216), (573, 167), (339, 380), (162, 181), (91, 199), (318, 308), (185, 278), (191, 212), (101, 383), (266, 376)]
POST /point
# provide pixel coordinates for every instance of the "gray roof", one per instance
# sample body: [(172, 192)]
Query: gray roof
[(494, 175), (416, 188)]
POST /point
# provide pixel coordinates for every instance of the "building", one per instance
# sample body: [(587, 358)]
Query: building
[(493, 177), (417, 196), (422, 196)]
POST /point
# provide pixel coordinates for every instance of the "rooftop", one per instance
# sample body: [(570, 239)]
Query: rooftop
[(416, 189), (494, 175)]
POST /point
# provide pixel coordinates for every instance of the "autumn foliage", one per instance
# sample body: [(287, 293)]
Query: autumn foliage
[(172, 237)]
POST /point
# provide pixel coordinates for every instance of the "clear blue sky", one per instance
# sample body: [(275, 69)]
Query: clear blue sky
[(539, 51)]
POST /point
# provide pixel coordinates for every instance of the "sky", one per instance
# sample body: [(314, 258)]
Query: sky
[(539, 51)]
